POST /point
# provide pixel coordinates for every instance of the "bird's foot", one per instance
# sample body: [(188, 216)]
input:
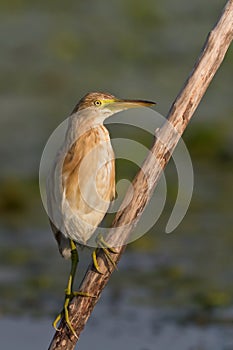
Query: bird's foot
[(107, 252), (65, 311)]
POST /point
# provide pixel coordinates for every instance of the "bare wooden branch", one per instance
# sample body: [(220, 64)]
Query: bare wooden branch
[(182, 110)]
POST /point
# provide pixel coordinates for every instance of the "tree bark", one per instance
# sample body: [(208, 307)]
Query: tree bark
[(166, 139)]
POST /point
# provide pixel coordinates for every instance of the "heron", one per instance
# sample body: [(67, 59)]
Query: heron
[(81, 183)]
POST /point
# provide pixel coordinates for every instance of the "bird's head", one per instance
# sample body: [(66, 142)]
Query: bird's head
[(105, 104)]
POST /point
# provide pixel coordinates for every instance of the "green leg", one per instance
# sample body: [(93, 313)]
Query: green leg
[(69, 294), (106, 249)]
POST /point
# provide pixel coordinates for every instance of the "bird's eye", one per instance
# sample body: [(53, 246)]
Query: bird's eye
[(97, 103)]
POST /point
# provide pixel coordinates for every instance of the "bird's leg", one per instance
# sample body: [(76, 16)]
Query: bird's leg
[(106, 249), (69, 294)]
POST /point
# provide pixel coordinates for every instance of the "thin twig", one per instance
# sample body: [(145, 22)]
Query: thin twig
[(182, 110)]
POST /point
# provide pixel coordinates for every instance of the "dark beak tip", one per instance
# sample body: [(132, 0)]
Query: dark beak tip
[(151, 104)]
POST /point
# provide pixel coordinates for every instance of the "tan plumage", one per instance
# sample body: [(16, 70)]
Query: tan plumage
[(92, 154)]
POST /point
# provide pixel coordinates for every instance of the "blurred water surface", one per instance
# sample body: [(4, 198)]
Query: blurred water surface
[(171, 290)]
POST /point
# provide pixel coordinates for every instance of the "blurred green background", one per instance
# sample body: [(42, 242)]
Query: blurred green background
[(52, 53)]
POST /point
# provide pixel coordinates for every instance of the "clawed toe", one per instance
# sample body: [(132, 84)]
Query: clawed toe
[(106, 249)]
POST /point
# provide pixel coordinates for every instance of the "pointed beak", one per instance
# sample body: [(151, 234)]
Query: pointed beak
[(119, 105)]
